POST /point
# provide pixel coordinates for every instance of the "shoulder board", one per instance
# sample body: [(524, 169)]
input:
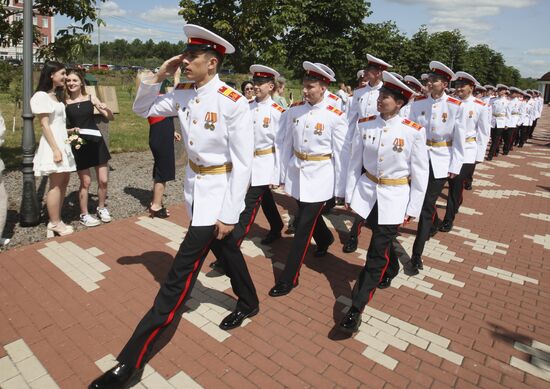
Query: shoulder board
[(251, 101), (412, 124), (298, 103), (367, 119), (335, 110), (420, 98), (229, 93), (333, 96), (278, 107), (454, 101), (185, 85), (482, 103)]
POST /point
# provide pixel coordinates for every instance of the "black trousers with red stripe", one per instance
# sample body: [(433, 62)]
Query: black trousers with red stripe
[(379, 260), (255, 196), (271, 212), (428, 213), (507, 135), (496, 137), (177, 286), (309, 223), (358, 223), (456, 191)]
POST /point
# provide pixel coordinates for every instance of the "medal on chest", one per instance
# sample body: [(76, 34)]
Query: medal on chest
[(319, 128), (210, 120), (471, 114), (266, 122), (398, 144), (444, 117)]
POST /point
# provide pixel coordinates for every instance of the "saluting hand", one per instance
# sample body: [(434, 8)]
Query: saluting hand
[(221, 230), (168, 68)]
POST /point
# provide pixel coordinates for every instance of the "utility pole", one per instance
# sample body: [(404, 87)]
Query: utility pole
[(30, 211), (98, 39)]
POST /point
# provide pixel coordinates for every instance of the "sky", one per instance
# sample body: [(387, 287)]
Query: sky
[(519, 29)]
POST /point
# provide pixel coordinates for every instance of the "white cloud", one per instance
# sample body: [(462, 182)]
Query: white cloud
[(540, 51), (469, 16), (161, 14), (110, 8)]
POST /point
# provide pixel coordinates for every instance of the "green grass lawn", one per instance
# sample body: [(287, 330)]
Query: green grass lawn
[(128, 132)]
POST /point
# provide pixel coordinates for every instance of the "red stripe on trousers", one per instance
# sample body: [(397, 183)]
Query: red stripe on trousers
[(386, 255), (251, 221), (307, 245), (173, 311)]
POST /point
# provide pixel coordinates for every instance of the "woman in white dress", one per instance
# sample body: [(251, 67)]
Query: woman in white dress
[(54, 157)]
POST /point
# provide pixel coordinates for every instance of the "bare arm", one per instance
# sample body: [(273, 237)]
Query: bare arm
[(103, 109)]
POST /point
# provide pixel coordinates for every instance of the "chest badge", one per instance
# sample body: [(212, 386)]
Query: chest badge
[(266, 122), (319, 128), (177, 106), (365, 136), (210, 120), (471, 114), (444, 117), (398, 144), (423, 113)]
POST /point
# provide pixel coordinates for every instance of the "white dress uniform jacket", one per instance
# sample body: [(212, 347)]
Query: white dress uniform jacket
[(364, 103), (539, 105), (478, 129), (343, 95), (513, 113), (217, 129), (266, 120), (334, 100), (443, 122), (406, 110), (487, 100), (532, 111), (313, 130), (499, 107), (392, 149)]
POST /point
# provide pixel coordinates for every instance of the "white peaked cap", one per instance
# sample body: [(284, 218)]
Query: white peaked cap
[(197, 35)]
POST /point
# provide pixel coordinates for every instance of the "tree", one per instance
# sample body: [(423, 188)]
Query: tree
[(81, 11)]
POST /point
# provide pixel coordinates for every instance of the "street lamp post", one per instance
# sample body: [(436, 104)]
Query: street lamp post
[(30, 211)]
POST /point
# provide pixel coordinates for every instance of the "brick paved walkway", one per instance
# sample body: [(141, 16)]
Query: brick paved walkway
[(476, 317)]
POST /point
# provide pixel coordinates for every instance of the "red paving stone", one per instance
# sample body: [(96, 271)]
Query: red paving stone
[(291, 343)]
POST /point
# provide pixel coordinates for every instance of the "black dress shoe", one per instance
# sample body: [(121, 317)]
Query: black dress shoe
[(218, 266), (236, 318), (122, 376), (291, 230), (321, 251), (281, 289), (416, 262), (385, 283), (351, 322), (446, 226), (468, 186), (351, 245), (271, 237)]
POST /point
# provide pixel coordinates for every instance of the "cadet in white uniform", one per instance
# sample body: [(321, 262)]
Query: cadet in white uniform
[(513, 119), (266, 120), (525, 122), (216, 127), (392, 153), (311, 169), (363, 105), (477, 132), (499, 121), (441, 116), (417, 87)]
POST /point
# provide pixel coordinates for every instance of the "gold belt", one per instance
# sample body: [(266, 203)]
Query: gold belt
[(388, 181), (219, 169), (471, 139), (312, 157), (445, 143), (269, 150)]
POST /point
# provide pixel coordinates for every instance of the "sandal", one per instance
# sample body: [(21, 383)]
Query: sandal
[(162, 213)]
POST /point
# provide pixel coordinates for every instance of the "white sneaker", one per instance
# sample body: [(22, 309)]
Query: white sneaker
[(103, 214), (88, 220), (4, 241)]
